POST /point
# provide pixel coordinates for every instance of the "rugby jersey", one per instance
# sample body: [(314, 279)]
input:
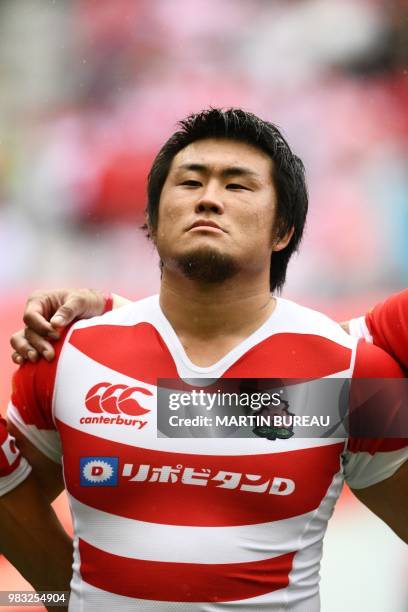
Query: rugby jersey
[(190, 524), (386, 325)]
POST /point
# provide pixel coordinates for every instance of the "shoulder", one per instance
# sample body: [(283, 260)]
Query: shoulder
[(39, 377), (373, 362), (388, 325), (299, 342), (126, 340), (33, 388), (102, 335), (296, 318), (30, 410), (394, 310), (135, 312)]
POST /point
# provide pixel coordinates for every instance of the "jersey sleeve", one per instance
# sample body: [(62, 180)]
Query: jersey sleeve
[(13, 467), (378, 392), (31, 405), (386, 325)]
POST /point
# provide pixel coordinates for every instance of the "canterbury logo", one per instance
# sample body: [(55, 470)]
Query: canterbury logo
[(115, 399)]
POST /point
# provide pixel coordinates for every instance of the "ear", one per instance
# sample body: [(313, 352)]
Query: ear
[(151, 231), (283, 241)]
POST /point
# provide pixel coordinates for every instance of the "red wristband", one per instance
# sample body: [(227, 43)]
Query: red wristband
[(108, 297)]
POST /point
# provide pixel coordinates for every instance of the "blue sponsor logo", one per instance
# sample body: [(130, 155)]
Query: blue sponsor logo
[(99, 471)]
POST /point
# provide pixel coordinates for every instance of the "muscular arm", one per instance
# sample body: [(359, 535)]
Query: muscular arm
[(43, 554), (389, 501), (32, 538), (376, 459)]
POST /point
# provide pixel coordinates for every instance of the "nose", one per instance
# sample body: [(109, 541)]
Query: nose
[(210, 201)]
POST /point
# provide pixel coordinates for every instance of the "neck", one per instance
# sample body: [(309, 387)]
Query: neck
[(206, 310)]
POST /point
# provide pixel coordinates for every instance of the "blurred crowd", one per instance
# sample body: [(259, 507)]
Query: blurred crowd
[(89, 90)]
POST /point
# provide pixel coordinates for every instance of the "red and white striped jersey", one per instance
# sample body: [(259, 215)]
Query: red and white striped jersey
[(386, 325), (187, 524)]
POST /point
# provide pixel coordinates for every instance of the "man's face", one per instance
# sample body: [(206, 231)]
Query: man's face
[(217, 211)]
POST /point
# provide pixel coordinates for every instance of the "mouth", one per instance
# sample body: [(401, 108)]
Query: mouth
[(205, 225)]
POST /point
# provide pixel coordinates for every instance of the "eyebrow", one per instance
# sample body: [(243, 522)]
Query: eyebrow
[(226, 172)]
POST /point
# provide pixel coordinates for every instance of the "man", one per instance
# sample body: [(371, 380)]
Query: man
[(192, 523)]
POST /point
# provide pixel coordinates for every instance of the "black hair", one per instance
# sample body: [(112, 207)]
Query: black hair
[(239, 125)]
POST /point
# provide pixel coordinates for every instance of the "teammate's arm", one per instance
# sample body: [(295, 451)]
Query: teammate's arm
[(31, 422), (375, 460), (47, 473), (48, 312), (31, 537), (389, 501)]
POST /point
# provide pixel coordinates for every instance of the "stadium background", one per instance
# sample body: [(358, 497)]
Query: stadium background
[(89, 89)]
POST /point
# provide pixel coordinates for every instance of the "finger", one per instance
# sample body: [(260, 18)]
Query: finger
[(73, 308), (18, 359), (35, 316), (30, 346), (21, 346), (40, 344)]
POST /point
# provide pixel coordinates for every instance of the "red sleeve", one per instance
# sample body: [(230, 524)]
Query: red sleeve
[(376, 403), (376, 447), (33, 389), (373, 362), (30, 409), (32, 392), (388, 325)]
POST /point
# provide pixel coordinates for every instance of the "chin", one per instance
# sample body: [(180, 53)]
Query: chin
[(207, 265)]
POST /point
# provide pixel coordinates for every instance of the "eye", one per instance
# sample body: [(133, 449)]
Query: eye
[(237, 186), (191, 183)]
